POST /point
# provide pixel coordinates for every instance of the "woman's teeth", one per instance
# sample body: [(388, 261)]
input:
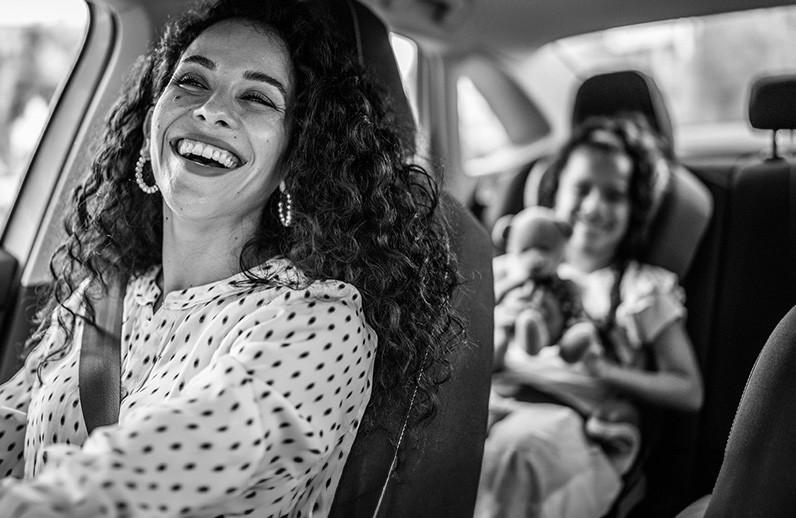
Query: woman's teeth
[(192, 149)]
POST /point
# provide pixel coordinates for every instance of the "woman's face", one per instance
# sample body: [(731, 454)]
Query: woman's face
[(593, 195), (218, 132)]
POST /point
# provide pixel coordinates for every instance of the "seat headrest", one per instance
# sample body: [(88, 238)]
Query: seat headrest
[(369, 38), (612, 93), (772, 103)]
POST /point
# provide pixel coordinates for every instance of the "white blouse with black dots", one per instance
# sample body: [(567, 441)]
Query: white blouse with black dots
[(236, 401)]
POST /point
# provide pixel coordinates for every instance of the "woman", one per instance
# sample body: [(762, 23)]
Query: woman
[(284, 267), (562, 447)]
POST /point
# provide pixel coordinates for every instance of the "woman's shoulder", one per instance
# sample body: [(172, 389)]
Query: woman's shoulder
[(286, 283)]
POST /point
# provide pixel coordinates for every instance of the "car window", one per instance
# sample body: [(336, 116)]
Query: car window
[(499, 125), (39, 43), (480, 130), (494, 118), (704, 65), (405, 51)]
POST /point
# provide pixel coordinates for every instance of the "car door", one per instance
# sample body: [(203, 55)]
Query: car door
[(58, 146)]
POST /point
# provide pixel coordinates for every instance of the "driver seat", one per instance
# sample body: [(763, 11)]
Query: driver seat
[(438, 476)]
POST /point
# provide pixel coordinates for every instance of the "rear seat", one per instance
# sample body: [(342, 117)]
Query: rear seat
[(739, 284), (679, 224), (742, 282)]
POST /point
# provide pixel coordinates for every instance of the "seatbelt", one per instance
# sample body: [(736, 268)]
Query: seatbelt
[(99, 377)]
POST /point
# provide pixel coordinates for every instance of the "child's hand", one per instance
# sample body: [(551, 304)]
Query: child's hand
[(617, 411), (578, 340), (499, 407), (595, 363), (515, 357)]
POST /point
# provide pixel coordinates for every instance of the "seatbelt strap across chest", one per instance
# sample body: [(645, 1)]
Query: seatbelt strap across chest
[(100, 362)]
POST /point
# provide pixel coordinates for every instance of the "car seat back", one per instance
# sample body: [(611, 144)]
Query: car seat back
[(439, 475), (755, 251)]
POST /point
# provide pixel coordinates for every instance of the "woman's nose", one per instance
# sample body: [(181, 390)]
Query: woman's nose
[(215, 111)]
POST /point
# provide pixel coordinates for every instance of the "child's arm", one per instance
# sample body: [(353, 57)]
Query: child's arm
[(676, 384)]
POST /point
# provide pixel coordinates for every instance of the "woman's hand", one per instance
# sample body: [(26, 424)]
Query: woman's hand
[(19, 500)]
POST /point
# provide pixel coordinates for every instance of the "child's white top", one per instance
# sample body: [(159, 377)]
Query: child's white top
[(651, 300)]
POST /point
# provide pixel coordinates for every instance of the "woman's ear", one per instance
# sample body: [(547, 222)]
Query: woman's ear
[(147, 128), (282, 186)]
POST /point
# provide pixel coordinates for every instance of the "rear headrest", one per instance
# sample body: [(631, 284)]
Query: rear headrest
[(613, 93), (369, 38), (772, 103)]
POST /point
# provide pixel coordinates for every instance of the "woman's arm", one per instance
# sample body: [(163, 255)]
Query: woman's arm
[(254, 426), (14, 401), (676, 384)]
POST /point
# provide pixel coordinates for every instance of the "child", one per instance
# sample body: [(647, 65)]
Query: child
[(538, 461)]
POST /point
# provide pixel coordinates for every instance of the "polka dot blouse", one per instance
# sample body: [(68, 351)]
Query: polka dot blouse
[(235, 401)]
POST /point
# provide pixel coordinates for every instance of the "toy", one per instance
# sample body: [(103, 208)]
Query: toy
[(536, 308)]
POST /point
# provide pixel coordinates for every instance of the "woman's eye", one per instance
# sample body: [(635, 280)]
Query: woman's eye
[(190, 82), (258, 99)]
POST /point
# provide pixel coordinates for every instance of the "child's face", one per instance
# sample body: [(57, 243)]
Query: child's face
[(593, 195)]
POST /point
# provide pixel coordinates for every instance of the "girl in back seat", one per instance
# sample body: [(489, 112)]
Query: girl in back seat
[(559, 445)]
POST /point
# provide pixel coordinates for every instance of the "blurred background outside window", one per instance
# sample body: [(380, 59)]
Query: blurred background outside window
[(39, 43)]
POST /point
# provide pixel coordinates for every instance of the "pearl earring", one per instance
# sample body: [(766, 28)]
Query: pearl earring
[(285, 209), (139, 176)]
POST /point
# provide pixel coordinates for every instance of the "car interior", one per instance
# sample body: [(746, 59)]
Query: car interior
[(493, 87)]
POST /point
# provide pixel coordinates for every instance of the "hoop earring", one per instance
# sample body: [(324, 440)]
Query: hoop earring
[(285, 209), (139, 176)]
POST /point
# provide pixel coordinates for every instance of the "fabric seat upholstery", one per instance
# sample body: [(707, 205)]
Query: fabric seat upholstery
[(756, 476), (439, 476)]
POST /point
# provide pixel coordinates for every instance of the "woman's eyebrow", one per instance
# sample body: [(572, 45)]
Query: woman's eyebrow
[(201, 60), (265, 78)]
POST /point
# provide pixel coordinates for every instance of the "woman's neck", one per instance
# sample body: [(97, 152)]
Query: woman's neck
[(198, 253)]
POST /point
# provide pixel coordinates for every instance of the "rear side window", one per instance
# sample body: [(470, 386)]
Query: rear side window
[(481, 132), (39, 43), (499, 125)]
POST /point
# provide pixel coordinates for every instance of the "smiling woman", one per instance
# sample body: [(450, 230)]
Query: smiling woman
[(284, 268), (217, 134)]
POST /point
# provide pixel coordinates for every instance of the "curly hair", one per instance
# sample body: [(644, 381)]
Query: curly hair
[(363, 213), (632, 136)]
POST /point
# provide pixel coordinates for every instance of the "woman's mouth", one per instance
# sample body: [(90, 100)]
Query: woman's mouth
[(207, 154)]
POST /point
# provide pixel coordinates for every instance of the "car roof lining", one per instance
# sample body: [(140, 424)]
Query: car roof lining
[(519, 25)]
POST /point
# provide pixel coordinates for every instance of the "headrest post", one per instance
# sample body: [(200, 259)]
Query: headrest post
[(774, 153)]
